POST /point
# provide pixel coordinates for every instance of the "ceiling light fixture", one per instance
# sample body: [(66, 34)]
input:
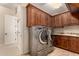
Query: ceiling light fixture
[(55, 5)]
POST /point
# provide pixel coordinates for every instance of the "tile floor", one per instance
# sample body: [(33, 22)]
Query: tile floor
[(62, 52), (8, 50)]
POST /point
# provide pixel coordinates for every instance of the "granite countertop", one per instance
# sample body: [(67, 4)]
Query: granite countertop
[(75, 35)]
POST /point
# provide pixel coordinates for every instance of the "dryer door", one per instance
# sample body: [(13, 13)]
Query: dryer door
[(43, 37)]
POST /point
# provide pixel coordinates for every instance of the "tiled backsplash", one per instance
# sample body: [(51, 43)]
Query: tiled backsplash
[(69, 29)]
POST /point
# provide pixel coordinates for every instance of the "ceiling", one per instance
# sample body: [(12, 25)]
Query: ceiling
[(9, 5), (50, 8)]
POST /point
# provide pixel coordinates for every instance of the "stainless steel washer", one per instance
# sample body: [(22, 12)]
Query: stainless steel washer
[(39, 40), (50, 47), (50, 40)]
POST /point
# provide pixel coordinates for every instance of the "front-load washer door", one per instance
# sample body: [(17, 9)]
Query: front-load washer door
[(43, 37)]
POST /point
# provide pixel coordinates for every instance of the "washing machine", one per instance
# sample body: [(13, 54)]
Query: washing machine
[(50, 47), (39, 41)]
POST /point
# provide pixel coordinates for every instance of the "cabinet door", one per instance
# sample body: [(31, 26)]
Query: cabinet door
[(64, 42), (49, 21), (53, 22), (67, 42), (58, 21), (61, 41), (56, 41), (66, 20), (72, 43), (38, 17), (33, 16), (43, 19), (77, 45), (74, 20)]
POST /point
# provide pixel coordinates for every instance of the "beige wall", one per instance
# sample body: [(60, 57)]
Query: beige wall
[(68, 29)]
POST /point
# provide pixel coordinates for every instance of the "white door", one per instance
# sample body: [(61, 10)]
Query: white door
[(10, 29)]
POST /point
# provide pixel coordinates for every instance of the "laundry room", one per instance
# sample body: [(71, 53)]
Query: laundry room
[(53, 29), (39, 29)]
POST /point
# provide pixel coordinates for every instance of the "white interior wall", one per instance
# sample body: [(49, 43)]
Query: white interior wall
[(68, 29), (25, 33), (6, 49), (4, 11), (23, 30)]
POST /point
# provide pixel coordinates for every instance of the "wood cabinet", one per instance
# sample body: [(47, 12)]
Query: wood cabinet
[(57, 21), (74, 44), (61, 41), (56, 41), (64, 42), (53, 22), (43, 19), (69, 20), (65, 19), (67, 42), (37, 17), (75, 21), (33, 16), (49, 19)]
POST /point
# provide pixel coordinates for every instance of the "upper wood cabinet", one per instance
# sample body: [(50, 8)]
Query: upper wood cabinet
[(76, 5), (57, 21), (53, 21), (43, 19), (65, 19), (37, 17), (74, 20), (49, 20)]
